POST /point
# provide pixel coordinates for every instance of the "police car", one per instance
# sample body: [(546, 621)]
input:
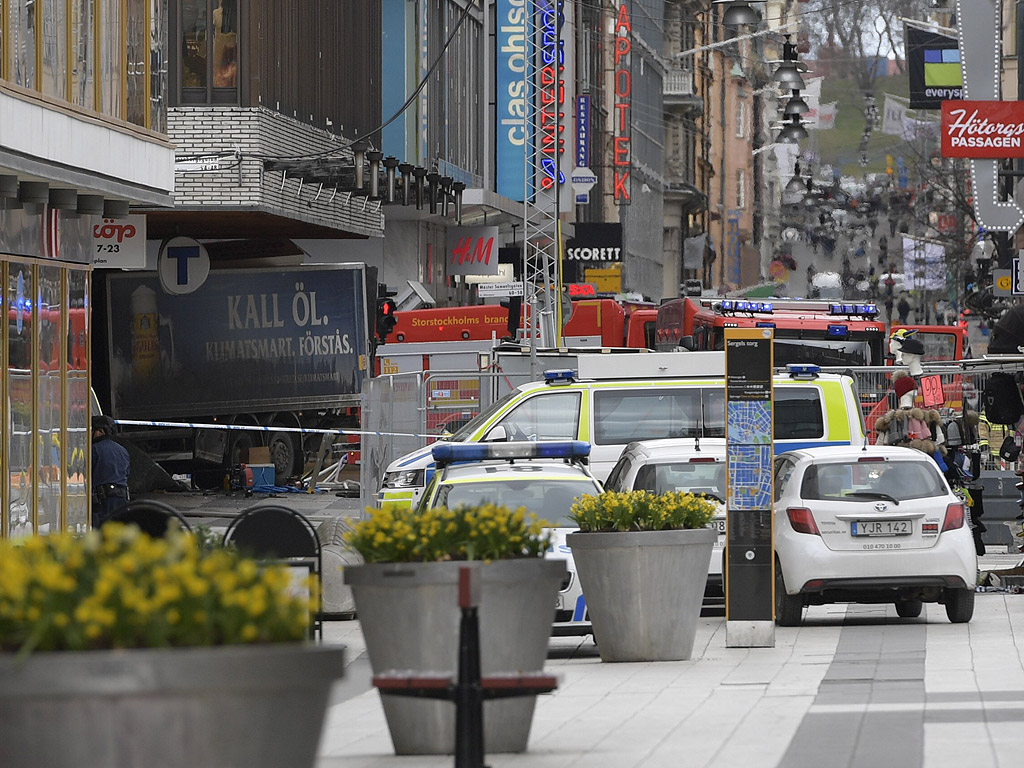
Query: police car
[(657, 396), (542, 477), (690, 465)]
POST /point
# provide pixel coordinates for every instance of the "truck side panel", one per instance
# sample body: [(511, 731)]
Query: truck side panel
[(244, 341)]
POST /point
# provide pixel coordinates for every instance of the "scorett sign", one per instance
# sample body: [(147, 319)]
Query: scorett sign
[(594, 245), (983, 129)]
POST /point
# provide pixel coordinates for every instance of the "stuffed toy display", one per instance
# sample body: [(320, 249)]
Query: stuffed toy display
[(908, 425)]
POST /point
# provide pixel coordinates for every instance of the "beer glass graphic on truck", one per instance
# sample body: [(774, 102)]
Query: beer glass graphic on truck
[(145, 333)]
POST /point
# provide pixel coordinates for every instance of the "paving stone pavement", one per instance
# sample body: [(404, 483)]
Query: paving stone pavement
[(853, 686)]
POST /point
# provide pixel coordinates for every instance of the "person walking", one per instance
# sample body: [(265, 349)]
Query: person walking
[(888, 307), (110, 465), (903, 308)]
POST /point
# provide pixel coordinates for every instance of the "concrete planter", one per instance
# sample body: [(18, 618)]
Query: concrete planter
[(409, 614), (232, 707), (644, 590)]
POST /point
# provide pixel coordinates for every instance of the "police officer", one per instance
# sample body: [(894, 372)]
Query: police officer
[(109, 471)]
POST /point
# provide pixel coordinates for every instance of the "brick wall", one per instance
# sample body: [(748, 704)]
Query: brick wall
[(258, 133)]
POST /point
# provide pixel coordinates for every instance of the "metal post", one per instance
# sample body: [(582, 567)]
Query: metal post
[(469, 702)]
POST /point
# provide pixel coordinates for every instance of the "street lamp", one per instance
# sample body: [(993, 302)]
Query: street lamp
[(795, 106), (792, 131), (796, 184), (790, 68), (739, 12)]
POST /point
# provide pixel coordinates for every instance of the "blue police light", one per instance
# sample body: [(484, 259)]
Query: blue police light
[(728, 306), (764, 324), (561, 376), (868, 310), (803, 370), (765, 306), (836, 331), (449, 453)]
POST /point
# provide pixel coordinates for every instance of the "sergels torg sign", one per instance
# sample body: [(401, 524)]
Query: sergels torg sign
[(991, 130)]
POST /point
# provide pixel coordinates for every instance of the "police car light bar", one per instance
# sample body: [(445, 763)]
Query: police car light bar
[(561, 376), (837, 331), (732, 305), (448, 453), (865, 310), (803, 370)]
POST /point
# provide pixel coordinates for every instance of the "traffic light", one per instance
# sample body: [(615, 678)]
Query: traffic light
[(514, 305), (387, 317)]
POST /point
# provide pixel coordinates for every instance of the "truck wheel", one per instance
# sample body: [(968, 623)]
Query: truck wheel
[(284, 455)]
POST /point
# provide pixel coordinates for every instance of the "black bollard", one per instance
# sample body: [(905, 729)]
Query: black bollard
[(468, 695)]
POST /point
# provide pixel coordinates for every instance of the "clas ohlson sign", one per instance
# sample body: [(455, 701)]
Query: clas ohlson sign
[(513, 134)]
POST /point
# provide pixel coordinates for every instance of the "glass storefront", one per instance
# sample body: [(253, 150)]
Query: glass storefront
[(44, 392)]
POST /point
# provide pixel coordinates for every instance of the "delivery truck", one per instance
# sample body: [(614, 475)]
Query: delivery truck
[(275, 348)]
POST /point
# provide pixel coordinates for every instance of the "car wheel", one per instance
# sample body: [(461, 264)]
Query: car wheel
[(909, 609), (789, 609), (960, 605)]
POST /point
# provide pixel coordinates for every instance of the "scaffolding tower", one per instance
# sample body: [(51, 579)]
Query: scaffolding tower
[(543, 181)]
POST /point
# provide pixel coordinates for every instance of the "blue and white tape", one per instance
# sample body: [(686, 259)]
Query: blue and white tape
[(251, 428)]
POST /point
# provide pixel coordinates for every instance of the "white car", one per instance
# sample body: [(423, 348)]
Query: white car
[(680, 464), (542, 477), (872, 525)]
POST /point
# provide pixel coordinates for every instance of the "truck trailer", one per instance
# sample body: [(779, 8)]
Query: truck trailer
[(271, 347)]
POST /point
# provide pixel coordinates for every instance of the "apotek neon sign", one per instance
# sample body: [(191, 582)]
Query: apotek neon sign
[(623, 90)]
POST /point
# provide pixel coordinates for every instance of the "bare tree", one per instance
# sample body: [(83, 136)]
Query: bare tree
[(857, 36)]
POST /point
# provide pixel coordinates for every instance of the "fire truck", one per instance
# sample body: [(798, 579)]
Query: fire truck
[(609, 323), (820, 332), (941, 342), (602, 322)]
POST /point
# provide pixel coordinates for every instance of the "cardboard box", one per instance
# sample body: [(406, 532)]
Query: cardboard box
[(259, 454)]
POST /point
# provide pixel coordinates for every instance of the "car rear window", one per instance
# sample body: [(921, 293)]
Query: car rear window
[(862, 481), (549, 499), (692, 477)]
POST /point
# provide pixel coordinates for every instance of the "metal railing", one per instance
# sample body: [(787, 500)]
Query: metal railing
[(678, 82)]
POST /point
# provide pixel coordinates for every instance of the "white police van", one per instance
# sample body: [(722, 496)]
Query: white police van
[(542, 478), (611, 401)]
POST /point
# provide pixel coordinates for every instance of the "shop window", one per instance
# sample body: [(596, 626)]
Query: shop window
[(83, 74), (208, 32), (21, 39), (55, 50), (49, 442), (78, 442), (111, 58), (20, 342)]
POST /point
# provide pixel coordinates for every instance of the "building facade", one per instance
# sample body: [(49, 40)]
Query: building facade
[(82, 137)]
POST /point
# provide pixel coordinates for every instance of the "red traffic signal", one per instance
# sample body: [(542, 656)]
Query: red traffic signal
[(386, 317)]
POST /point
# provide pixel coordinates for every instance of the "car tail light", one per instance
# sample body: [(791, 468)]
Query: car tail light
[(954, 517), (704, 460), (802, 520)]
